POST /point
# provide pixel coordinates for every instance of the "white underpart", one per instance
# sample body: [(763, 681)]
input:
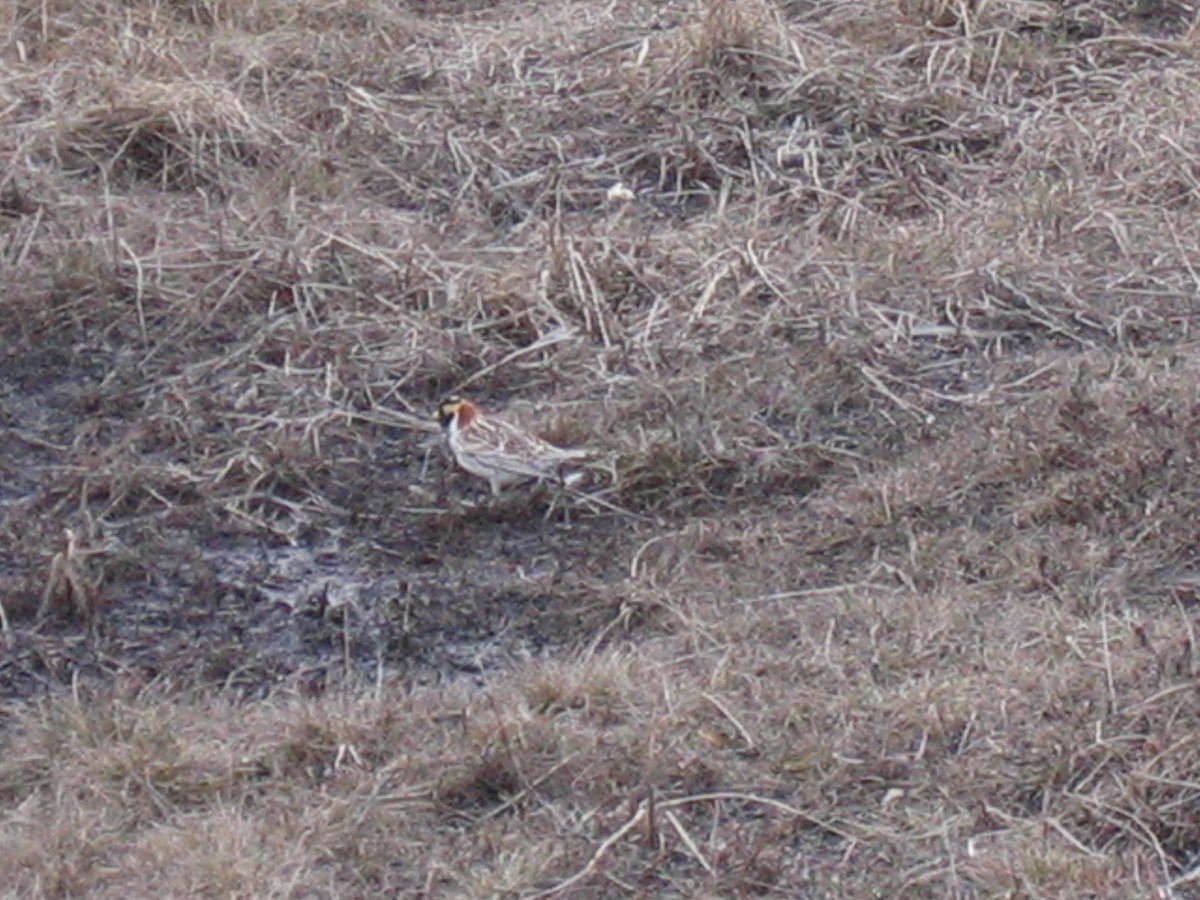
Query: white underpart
[(503, 469)]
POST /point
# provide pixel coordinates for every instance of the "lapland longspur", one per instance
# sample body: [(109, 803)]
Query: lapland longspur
[(499, 451)]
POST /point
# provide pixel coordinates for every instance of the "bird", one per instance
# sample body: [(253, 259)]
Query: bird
[(500, 451)]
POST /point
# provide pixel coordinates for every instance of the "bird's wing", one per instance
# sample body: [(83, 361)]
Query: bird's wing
[(513, 464), (518, 453)]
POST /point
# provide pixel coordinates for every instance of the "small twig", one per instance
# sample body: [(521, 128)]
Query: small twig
[(35, 441), (723, 710), (1125, 821), (394, 418), (528, 789), (923, 416), (829, 591), (765, 801), (1036, 373), (1106, 652), (347, 660), (1066, 835), (1186, 878), (594, 862), (688, 842), (67, 584), (10, 639), (652, 837), (549, 340), (596, 499), (139, 288), (756, 264), (664, 806)]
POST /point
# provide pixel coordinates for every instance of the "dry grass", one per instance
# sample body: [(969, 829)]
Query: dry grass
[(887, 582)]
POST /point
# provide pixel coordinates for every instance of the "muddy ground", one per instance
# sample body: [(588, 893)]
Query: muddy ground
[(406, 568)]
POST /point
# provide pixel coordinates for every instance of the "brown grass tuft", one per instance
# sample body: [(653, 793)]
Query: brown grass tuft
[(883, 581)]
